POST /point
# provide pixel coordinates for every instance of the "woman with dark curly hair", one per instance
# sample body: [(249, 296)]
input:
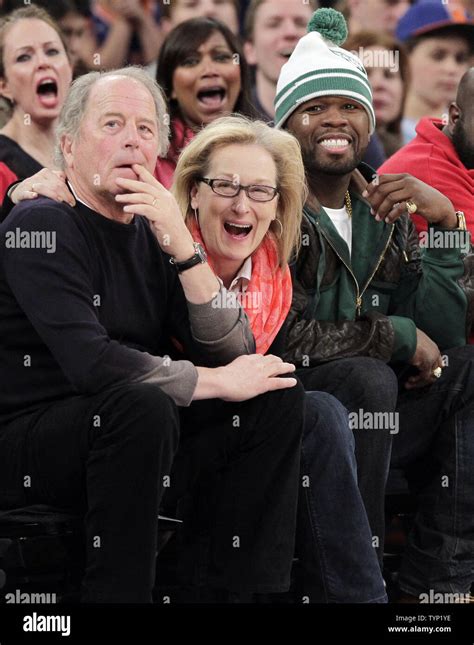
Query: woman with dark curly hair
[(204, 75)]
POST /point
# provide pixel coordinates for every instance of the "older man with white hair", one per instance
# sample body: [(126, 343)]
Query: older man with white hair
[(89, 407)]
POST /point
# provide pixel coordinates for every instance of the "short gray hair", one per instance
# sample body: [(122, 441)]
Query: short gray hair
[(75, 105)]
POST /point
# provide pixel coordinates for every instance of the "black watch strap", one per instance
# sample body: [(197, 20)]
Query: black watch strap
[(199, 257)]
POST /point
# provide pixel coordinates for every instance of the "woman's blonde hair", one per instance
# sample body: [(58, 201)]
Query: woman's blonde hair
[(195, 159)]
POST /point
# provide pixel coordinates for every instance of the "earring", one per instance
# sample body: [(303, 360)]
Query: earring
[(281, 226), (196, 216)]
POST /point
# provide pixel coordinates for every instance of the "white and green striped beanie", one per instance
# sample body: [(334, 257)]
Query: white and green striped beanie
[(319, 67)]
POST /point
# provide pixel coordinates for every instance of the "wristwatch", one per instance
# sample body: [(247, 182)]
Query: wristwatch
[(461, 220), (199, 257)]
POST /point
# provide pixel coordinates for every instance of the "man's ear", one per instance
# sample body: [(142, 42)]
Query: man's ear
[(66, 144), (249, 53), (454, 114)]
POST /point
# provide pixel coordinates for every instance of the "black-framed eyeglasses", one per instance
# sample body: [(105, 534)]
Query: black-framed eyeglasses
[(229, 188)]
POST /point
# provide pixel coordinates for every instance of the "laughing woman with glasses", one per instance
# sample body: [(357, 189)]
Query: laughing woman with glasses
[(241, 187)]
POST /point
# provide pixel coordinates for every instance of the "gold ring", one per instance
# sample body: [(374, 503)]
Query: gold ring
[(437, 372), (153, 202), (411, 207)]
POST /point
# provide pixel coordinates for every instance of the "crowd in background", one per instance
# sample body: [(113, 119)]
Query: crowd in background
[(414, 53)]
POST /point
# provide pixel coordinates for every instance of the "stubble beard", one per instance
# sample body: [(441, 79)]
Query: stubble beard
[(315, 165)]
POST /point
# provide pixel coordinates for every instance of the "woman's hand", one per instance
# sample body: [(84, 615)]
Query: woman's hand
[(149, 198), (48, 183)]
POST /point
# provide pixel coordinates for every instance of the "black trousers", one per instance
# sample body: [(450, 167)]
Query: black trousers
[(111, 454), (435, 447)]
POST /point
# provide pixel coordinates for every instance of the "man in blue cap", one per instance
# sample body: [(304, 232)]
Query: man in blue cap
[(439, 39)]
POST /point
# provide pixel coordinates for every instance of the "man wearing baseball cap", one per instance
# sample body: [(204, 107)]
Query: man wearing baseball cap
[(439, 39), (371, 314)]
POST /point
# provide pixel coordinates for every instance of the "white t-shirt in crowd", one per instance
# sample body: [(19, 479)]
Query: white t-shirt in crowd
[(343, 223)]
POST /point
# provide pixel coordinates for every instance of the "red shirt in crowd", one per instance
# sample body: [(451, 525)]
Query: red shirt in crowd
[(7, 177), (432, 158)]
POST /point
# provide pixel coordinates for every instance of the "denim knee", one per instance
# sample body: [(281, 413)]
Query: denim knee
[(372, 382), (326, 420)]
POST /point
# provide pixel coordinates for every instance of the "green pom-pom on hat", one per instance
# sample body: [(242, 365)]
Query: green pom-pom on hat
[(330, 23)]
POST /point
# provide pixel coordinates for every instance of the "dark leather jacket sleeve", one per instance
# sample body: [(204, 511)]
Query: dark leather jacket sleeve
[(310, 342)]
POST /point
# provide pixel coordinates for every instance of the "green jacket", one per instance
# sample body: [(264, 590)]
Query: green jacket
[(370, 303)]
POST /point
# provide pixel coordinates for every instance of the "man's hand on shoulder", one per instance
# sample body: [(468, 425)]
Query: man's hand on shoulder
[(390, 196)]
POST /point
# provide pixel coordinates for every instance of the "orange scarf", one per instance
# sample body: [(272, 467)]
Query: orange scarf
[(267, 299)]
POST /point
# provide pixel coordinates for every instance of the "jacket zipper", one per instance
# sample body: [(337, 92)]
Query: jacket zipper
[(376, 267), (359, 294)]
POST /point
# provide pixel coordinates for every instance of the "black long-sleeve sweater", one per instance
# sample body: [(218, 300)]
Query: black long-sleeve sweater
[(96, 307)]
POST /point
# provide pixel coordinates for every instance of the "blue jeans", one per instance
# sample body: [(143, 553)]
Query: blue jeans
[(333, 540), (435, 447), (367, 384)]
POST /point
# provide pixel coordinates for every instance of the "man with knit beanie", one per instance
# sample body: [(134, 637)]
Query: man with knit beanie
[(372, 312)]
